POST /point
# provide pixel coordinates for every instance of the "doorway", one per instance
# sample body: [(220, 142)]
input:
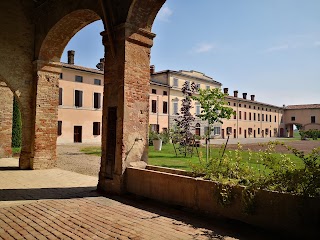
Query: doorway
[(77, 136), (222, 133), (254, 133), (245, 133), (234, 133)]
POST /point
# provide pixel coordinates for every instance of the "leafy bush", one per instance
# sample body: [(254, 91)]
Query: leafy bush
[(312, 133), (278, 174)]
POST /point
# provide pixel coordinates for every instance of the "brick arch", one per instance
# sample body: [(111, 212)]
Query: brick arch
[(143, 12), (61, 33)]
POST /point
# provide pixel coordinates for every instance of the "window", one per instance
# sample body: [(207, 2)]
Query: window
[(97, 82), (262, 116), (258, 116), (229, 103), (254, 116), (262, 109), (240, 130), (79, 79), (207, 130), (250, 106), (154, 91), (175, 82), (60, 96), (270, 118), (293, 118), (198, 86), (187, 83), (275, 118), (175, 108), (254, 107), (154, 106), (239, 114), (245, 115), (165, 93), (97, 100), (250, 116), (165, 107), (154, 127), (249, 131), (313, 119), (78, 98), (258, 130), (59, 128), (216, 130), (207, 87), (258, 108), (198, 109), (61, 75), (245, 105), (234, 115), (234, 104), (96, 128), (267, 131), (239, 104), (229, 130)]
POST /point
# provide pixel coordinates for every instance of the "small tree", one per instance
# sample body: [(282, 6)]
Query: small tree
[(213, 108), (185, 120), (16, 125)]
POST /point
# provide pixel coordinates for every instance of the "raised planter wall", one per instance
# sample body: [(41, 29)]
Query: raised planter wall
[(277, 211)]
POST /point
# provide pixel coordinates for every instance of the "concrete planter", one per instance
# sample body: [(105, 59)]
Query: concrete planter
[(281, 212), (157, 144)]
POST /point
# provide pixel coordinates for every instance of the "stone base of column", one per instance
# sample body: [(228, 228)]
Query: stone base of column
[(111, 186)]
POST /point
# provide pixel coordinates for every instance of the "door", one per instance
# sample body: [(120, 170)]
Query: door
[(77, 135), (222, 133), (262, 133), (234, 133), (281, 132), (254, 133), (198, 131), (245, 133)]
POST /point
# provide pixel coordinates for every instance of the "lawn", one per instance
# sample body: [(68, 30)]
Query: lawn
[(167, 157)]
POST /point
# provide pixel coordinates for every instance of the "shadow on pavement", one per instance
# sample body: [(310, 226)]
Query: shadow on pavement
[(47, 193)]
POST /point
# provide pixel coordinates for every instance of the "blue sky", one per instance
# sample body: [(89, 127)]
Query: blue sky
[(269, 48)]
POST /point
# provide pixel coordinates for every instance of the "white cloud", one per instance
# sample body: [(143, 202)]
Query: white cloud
[(165, 14), (278, 48), (203, 47)]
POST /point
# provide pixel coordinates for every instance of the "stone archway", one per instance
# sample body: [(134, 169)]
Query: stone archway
[(47, 72)]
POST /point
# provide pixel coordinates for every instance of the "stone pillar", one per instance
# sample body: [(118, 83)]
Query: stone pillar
[(125, 106), (46, 115), (6, 107)]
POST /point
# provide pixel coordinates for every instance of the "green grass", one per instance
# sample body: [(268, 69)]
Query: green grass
[(167, 157), (16, 150)]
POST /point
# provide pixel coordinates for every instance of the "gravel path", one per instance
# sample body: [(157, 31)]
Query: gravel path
[(70, 158)]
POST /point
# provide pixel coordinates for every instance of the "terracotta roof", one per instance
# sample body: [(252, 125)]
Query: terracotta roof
[(80, 68), (250, 101), (304, 106)]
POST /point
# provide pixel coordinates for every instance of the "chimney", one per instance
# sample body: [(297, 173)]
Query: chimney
[(225, 90), (71, 56), (252, 97), (235, 93), (152, 69), (100, 65), (244, 95)]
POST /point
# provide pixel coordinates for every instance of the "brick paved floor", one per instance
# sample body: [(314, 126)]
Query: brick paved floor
[(58, 204)]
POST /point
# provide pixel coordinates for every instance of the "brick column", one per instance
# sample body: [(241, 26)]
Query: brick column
[(126, 105), (46, 115), (6, 107)]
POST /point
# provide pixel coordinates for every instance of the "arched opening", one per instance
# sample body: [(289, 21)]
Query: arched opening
[(81, 84), (50, 72), (10, 127)]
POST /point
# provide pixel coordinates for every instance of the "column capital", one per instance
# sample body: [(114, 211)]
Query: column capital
[(130, 33)]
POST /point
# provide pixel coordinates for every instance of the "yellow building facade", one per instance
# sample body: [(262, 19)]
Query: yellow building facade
[(80, 107)]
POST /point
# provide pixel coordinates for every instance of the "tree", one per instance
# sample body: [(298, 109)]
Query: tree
[(213, 108), (16, 125), (185, 120), (213, 105)]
